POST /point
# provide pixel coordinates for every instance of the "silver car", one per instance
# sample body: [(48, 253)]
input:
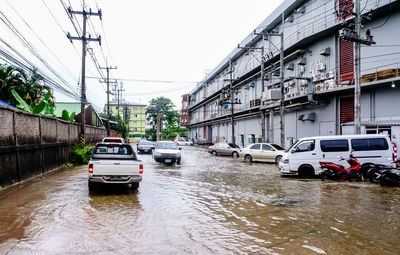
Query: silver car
[(145, 146), (224, 149), (265, 152)]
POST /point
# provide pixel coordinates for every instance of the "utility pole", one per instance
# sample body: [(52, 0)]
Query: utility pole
[(84, 40), (118, 91), (282, 106), (108, 68), (355, 36), (159, 124), (231, 90), (357, 67), (262, 62)]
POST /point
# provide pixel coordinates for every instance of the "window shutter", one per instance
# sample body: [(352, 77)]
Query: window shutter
[(346, 60)]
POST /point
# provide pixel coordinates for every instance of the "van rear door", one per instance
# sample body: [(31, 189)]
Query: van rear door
[(376, 150)]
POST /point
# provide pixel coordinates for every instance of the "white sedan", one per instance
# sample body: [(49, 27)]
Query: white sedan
[(265, 152), (182, 142)]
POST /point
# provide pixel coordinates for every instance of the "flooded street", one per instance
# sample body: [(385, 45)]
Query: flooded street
[(207, 205)]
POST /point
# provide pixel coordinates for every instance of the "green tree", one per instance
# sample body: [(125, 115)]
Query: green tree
[(121, 127), (170, 118), (30, 87)]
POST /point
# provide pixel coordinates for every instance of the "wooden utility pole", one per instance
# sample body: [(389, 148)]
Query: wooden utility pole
[(282, 106), (108, 96), (84, 40), (357, 69), (231, 90)]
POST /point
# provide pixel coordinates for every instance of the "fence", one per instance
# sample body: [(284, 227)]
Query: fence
[(31, 144)]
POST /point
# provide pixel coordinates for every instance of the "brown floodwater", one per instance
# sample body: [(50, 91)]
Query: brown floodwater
[(207, 205)]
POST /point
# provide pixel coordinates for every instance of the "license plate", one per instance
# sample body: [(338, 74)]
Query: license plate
[(168, 161), (146, 150)]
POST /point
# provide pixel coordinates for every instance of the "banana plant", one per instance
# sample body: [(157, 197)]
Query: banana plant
[(42, 105), (66, 116)]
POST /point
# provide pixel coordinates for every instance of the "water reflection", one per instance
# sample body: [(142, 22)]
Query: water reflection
[(207, 205)]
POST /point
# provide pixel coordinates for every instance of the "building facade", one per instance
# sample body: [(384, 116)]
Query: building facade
[(317, 75), (185, 110), (134, 114)]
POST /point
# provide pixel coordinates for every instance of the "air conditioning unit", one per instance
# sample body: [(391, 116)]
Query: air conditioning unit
[(330, 74), (272, 94), (321, 66), (292, 83), (329, 84), (322, 76), (303, 82)]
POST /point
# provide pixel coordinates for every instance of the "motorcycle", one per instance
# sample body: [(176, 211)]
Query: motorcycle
[(384, 175), (336, 171)]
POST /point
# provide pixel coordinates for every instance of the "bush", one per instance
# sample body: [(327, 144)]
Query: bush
[(78, 155)]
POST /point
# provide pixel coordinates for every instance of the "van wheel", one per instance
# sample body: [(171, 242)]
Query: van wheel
[(248, 158), (214, 153), (278, 159), (235, 154), (306, 171)]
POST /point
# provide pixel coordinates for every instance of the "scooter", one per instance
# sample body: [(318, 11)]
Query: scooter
[(336, 171), (384, 175)]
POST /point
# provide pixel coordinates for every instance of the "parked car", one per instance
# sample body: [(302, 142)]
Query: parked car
[(224, 149), (167, 152), (114, 163), (303, 157), (183, 141), (265, 152), (113, 140), (145, 146)]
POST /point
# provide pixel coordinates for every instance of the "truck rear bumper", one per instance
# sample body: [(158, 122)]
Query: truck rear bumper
[(113, 179)]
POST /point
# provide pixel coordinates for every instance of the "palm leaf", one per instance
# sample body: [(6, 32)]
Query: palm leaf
[(38, 108), (71, 117), (22, 104)]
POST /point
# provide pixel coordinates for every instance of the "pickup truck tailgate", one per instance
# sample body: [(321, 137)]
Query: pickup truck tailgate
[(115, 167)]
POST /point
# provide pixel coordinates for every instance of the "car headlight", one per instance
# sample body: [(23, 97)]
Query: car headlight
[(157, 154), (286, 161), (178, 154)]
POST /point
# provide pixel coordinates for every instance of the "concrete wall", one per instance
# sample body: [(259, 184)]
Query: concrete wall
[(31, 144)]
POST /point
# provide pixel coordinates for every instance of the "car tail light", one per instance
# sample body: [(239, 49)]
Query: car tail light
[(240, 150), (140, 169), (90, 168)]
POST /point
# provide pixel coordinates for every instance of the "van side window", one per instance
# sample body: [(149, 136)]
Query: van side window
[(334, 145), (305, 146), (369, 144)]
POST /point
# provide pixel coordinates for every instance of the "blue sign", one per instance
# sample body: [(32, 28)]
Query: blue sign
[(226, 106)]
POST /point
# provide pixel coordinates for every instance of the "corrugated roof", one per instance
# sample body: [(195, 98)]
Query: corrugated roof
[(381, 123)]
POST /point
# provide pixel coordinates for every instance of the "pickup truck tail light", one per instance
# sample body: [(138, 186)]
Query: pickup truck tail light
[(140, 169), (91, 168)]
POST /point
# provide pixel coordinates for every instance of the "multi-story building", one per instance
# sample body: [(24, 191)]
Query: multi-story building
[(185, 110), (133, 113), (318, 76)]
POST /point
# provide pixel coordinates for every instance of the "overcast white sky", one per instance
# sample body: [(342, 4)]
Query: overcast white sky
[(161, 40)]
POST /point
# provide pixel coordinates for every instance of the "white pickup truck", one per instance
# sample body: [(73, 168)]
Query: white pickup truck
[(114, 163)]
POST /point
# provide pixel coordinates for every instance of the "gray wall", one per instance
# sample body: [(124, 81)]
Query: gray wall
[(32, 144)]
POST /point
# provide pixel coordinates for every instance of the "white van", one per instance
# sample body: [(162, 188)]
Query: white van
[(303, 157)]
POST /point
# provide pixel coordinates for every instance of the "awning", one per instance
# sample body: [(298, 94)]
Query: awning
[(380, 123)]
